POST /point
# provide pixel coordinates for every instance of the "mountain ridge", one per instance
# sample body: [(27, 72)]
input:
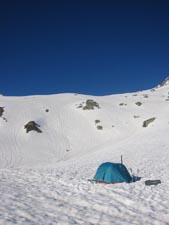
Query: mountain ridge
[(65, 118), (45, 177)]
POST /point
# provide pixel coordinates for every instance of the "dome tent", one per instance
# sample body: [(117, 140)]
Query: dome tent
[(112, 173)]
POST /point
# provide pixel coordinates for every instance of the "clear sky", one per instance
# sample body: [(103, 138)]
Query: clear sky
[(95, 47)]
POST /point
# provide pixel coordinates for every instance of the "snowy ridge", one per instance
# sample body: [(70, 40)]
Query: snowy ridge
[(164, 83), (44, 176)]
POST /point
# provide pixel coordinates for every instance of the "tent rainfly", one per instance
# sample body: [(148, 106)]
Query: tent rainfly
[(112, 173)]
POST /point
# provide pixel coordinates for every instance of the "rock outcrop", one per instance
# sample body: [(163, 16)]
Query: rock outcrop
[(99, 127), (164, 83), (32, 126), (147, 122), (89, 105), (138, 103), (97, 121), (1, 111)]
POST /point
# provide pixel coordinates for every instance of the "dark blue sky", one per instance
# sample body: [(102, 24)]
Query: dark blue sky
[(90, 47)]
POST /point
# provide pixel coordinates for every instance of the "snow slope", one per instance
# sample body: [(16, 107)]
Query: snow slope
[(44, 176)]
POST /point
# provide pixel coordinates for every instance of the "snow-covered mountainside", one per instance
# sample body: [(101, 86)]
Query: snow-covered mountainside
[(44, 172)]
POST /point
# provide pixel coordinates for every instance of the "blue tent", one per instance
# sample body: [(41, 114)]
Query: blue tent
[(112, 173)]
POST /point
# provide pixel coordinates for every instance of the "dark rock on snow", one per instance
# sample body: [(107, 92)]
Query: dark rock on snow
[(147, 122), (90, 104), (32, 126), (1, 111)]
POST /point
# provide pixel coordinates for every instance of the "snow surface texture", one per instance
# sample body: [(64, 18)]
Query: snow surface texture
[(44, 176)]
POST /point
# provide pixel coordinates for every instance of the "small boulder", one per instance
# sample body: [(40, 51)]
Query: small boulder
[(122, 104), (138, 103), (145, 96), (1, 111), (90, 104), (99, 127), (147, 122), (97, 121), (136, 116), (32, 126)]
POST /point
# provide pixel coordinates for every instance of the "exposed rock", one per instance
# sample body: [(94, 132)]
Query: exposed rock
[(145, 96), (122, 104), (4, 119), (88, 105), (136, 116), (138, 103), (99, 127), (147, 122), (97, 121), (1, 111), (164, 83), (32, 126)]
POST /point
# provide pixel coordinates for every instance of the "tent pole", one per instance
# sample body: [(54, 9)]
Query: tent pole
[(121, 159)]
